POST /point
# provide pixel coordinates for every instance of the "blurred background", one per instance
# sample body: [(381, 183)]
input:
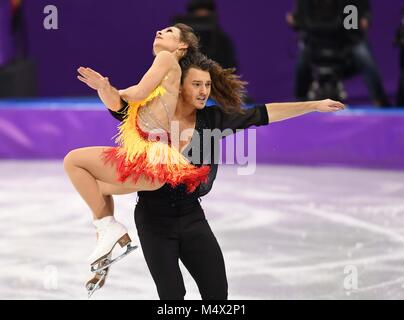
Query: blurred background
[(264, 45), (328, 191)]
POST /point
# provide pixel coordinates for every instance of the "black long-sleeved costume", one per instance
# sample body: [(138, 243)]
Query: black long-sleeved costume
[(171, 223)]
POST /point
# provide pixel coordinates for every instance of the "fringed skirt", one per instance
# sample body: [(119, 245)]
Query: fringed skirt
[(157, 161)]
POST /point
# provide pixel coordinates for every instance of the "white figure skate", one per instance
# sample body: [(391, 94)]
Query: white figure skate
[(109, 232)]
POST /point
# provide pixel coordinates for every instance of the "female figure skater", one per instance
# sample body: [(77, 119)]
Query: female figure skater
[(171, 223), (138, 163)]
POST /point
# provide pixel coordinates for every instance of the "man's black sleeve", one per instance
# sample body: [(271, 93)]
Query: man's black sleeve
[(120, 114), (255, 116)]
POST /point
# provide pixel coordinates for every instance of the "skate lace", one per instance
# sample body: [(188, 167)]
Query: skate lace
[(101, 234)]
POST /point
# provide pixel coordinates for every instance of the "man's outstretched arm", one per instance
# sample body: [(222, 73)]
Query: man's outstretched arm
[(287, 110)]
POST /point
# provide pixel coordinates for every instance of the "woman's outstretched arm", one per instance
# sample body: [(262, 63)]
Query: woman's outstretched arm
[(107, 93), (163, 62), (111, 97), (286, 110)]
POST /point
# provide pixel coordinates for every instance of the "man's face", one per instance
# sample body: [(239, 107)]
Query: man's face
[(196, 87)]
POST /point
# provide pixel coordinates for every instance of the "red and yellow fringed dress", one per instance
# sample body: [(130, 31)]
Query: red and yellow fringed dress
[(158, 161)]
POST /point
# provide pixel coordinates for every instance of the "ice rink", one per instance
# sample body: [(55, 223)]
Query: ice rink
[(286, 233)]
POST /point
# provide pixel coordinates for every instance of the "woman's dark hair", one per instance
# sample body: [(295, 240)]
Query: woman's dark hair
[(227, 88), (188, 36)]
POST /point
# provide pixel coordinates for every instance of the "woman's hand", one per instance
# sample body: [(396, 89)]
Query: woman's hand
[(328, 105), (92, 78)]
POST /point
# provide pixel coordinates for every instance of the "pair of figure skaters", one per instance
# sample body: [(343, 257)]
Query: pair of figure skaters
[(171, 224)]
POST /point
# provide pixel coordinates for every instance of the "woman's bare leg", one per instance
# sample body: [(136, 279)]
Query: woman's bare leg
[(108, 190), (85, 167)]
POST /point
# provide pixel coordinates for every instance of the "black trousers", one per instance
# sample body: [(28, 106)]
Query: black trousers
[(173, 231)]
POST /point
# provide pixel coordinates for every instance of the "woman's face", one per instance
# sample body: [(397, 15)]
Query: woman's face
[(168, 39)]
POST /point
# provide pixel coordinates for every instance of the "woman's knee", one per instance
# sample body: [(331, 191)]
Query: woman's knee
[(71, 159), (68, 160)]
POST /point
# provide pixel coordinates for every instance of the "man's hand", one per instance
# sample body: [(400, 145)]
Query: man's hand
[(328, 105), (92, 78)]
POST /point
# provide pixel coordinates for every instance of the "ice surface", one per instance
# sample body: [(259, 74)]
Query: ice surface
[(286, 233)]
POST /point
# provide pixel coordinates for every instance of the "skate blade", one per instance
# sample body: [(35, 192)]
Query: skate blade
[(122, 241), (107, 262), (92, 287), (94, 280)]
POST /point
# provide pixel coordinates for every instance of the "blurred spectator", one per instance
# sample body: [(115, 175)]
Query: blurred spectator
[(215, 43), (400, 95), (6, 41), (18, 29), (18, 72), (400, 43), (323, 20)]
